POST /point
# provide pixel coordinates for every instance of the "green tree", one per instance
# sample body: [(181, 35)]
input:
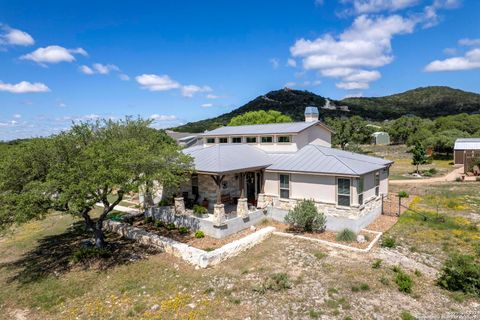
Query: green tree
[(419, 155), (444, 141), (349, 130), (259, 117), (401, 129), (91, 163)]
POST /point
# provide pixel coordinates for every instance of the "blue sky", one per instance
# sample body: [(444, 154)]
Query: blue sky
[(64, 61)]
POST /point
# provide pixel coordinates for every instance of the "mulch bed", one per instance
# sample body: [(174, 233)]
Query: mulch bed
[(383, 223), (206, 243)]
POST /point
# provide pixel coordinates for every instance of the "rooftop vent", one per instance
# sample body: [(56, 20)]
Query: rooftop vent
[(311, 114)]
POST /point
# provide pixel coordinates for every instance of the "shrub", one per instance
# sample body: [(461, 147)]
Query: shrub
[(275, 282), (199, 234), (170, 226), (183, 230), (198, 209), (389, 242), (418, 273), (376, 264), (405, 315), (461, 273), (164, 203), (384, 280), (361, 287), (458, 179), (148, 220), (320, 255), (404, 282), (314, 314), (403, 194), (427, 174), (346, 235), (86, 253), (159, 224), (306, 217)]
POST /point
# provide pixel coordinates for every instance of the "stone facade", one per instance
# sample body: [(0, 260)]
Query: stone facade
[(219, 215), (179, 205), (242, 208)]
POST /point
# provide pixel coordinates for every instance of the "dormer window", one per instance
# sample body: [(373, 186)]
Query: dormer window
[(210, 140), (251, 139), (236, 139), (284, 139), (267, 139), (222, 140)]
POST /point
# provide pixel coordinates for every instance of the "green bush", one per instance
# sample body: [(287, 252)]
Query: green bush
[(183, 230), (164, 203), (361, 287), (198, 209), (148, 220), (403, 194), (427, 174), (433, 170), (376, 264), (199, 234), (405, 315), (404, 282), (306, 217), (87, 253), (278, 281), (389, 242), (346, 235), (461, 273), (384, 280), (458, 179), (159, 224), (170, 226)]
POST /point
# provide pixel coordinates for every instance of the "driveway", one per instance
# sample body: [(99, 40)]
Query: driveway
[(451, 176)]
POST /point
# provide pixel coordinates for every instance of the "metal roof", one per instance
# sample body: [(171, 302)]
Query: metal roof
[(272, 128), (227, 158), (467, 144), (318, 159)]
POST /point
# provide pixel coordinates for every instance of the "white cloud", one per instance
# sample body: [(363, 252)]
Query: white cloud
[(450, 51), (24, 87), (86, 70), (53, 54), (291, 62), (353, 85), (162, 117), (105, 68), (153, 82), (190, 90), (17, 116), (371, 6), (275, 63), (471, 60), (353, 95), (469, 42), (212, 96), (14, 37), (124, 77), (206, 105)]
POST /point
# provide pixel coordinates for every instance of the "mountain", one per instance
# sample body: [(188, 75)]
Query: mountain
[(427, 102)]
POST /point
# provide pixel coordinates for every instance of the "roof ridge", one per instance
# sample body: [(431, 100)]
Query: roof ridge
[(332, 155)]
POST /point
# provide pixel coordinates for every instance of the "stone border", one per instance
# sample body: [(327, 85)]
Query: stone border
[(333, 244), (192, 255)]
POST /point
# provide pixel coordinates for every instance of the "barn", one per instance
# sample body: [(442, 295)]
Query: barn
[(466, 152)]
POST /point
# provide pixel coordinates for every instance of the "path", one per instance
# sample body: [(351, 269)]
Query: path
[(122, 208), (451, 176)]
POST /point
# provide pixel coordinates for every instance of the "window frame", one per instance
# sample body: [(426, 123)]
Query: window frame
[(349, 195), (288, 137), (283, 188), (262, 137), (250, 138), (221, 139), (360, 191), (232, 139), (377, 183), (207, 140)]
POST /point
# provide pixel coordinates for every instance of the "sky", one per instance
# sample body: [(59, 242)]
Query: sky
[(176, 62)]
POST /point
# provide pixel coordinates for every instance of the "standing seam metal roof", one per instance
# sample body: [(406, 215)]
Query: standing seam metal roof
[(467, 144), (272, 128)]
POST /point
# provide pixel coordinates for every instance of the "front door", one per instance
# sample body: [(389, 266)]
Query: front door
[(250, 186)]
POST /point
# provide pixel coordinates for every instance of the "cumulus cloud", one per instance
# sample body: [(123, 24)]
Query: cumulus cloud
[(206, 105), (471, 60), (53, 54), (153, 82), (162, 117), (14, 37), (212, 96), (24, 87), (366, 44), (124, 77), (353, 85), (190, 90), (291, 62), (98, 68), (469, 42), (86, 70), (372, 6)]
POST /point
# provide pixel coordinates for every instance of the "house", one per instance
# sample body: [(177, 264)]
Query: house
[(466, 151), (380, 138), (270, 167)]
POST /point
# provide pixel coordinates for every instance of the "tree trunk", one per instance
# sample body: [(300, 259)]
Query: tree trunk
[(99, 237)]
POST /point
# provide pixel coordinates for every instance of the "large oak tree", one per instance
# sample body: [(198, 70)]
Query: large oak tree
[(94, 162)]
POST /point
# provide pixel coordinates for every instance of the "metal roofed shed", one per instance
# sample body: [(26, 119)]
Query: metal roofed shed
[(380, 138), (466, 151), (324, 160)]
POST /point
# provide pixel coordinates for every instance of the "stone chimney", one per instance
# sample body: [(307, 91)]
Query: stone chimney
[(311, 114)]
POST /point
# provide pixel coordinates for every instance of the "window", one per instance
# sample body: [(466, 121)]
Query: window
[(251, 139), (195, 184), (284, 186), (343, 192), (267, 139), (284, 139), (360, 190), (377, 183), (237, 140), (222, 140), (210, 140)]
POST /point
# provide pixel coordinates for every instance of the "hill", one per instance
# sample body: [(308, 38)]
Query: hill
[(428, 102)]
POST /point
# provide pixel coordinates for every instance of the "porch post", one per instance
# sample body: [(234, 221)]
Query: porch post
[(242, 185), (262, 184), (218, 207)]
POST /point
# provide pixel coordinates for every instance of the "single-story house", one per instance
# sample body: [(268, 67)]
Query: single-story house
[(273, 166), (465, 151)]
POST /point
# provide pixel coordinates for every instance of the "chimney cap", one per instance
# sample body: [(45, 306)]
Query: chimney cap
[(311, 110)]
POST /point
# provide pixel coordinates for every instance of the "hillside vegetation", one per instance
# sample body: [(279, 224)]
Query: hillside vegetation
[(428, 102)]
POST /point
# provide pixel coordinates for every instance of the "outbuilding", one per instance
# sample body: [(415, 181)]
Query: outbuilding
[(466, 150)]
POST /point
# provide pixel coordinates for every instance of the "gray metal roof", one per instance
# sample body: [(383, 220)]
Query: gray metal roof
[(318, 159), (467, 144), (227, 158), (272, 128)]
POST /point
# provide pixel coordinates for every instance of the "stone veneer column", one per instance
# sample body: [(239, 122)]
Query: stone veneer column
[(242, 208), (261, 201), (218, 215), (179, 205)]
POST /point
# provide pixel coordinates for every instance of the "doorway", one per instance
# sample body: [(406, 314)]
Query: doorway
[(251, 187)]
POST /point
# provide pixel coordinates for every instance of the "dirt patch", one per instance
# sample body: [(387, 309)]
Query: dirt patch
[(382, 224)]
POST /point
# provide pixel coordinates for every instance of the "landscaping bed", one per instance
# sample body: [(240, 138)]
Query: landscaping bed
[(186, 235)]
